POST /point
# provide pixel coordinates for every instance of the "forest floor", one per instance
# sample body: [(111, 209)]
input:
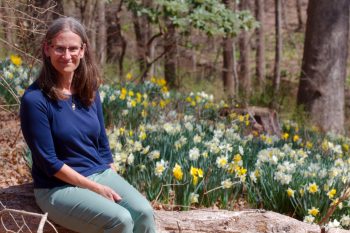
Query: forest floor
[(13, 165)]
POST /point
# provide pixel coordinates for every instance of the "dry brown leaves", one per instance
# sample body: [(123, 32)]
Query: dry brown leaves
[(14, 169)]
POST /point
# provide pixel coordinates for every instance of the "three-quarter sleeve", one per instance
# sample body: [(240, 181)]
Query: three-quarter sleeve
[(34, 115), (103, 148)]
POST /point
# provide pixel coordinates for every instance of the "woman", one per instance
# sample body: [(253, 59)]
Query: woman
[(62, 123)]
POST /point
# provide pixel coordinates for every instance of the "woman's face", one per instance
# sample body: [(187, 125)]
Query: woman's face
[(65, 51)]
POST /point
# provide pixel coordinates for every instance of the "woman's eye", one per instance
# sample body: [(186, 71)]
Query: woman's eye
[(73, 49)]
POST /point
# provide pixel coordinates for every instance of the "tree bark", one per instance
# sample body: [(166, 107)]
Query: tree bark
[(323, 72), (101, 44), (260, 40), (194, 221), (143, 32), (10, 24), (284, 15), (170, 50), (69, 8), (116, 42), (227, 71), (87, 14), (300, 16), (244, 48), (278, 50)]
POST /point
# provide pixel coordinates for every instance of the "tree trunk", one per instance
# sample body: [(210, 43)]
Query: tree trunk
[(87, 14), (227, 72), (69, 8), (322, 79), (116, 42), (143, 32), (300, 16), (284, 16), (244, 47), (21, 197), (101, 44), (260, 40), (9, 24), (278, 50), (170, 49)]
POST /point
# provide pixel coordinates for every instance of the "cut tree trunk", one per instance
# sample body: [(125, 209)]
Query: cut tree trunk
[(202, 220)]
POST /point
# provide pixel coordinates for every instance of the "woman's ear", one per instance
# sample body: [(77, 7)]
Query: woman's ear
[(82, 51), (46, 49)]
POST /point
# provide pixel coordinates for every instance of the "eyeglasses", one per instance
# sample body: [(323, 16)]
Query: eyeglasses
[(60, 50)]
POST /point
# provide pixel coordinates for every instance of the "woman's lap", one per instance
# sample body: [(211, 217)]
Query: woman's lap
[(86, 211)]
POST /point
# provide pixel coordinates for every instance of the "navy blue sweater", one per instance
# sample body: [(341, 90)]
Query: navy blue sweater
[(63, 132)]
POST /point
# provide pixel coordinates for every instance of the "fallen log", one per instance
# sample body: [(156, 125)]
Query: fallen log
[(21, 197)]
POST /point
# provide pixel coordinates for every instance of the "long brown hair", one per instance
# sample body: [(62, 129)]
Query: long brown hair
[(86, 78)]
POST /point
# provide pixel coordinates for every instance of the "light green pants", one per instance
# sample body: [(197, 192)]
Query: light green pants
[(85, 211)]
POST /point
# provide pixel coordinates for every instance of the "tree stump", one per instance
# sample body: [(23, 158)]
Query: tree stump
[(264, 119), (21, 197)]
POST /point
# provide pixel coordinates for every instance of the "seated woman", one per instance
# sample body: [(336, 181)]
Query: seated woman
[(62, 123)]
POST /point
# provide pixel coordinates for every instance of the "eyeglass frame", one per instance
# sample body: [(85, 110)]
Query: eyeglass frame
[(61, 50)]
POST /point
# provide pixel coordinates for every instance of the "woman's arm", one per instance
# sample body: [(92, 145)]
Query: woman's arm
[(70, 176), (104, 149)]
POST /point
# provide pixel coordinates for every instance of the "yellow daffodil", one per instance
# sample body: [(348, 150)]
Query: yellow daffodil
[(121, 130), (133, 103), (309, 145), (237, 158), (16, 60), (162, 104), (161, 82), (165, 89), (296, 138), (123, 93), (142, 136), (313, 188), (313, 211), (138, 97), (195, 173), (331, 193), (285, 136), (290, 192), (241, 172), (128, 76), (177, 172)]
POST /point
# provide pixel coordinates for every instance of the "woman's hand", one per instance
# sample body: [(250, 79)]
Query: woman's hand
[(70, 176), (108, 193), (112, 167)]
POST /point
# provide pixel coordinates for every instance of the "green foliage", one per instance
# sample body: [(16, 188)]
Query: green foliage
[(209, 16)]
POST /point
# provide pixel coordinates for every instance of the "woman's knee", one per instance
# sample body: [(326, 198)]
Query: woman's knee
[(120, 223), (146, 211), (146, 217)]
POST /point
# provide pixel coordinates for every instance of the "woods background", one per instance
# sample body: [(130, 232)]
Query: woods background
[(290, 55)]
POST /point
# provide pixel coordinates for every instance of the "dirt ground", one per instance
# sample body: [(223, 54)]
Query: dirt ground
[(13, 166)]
